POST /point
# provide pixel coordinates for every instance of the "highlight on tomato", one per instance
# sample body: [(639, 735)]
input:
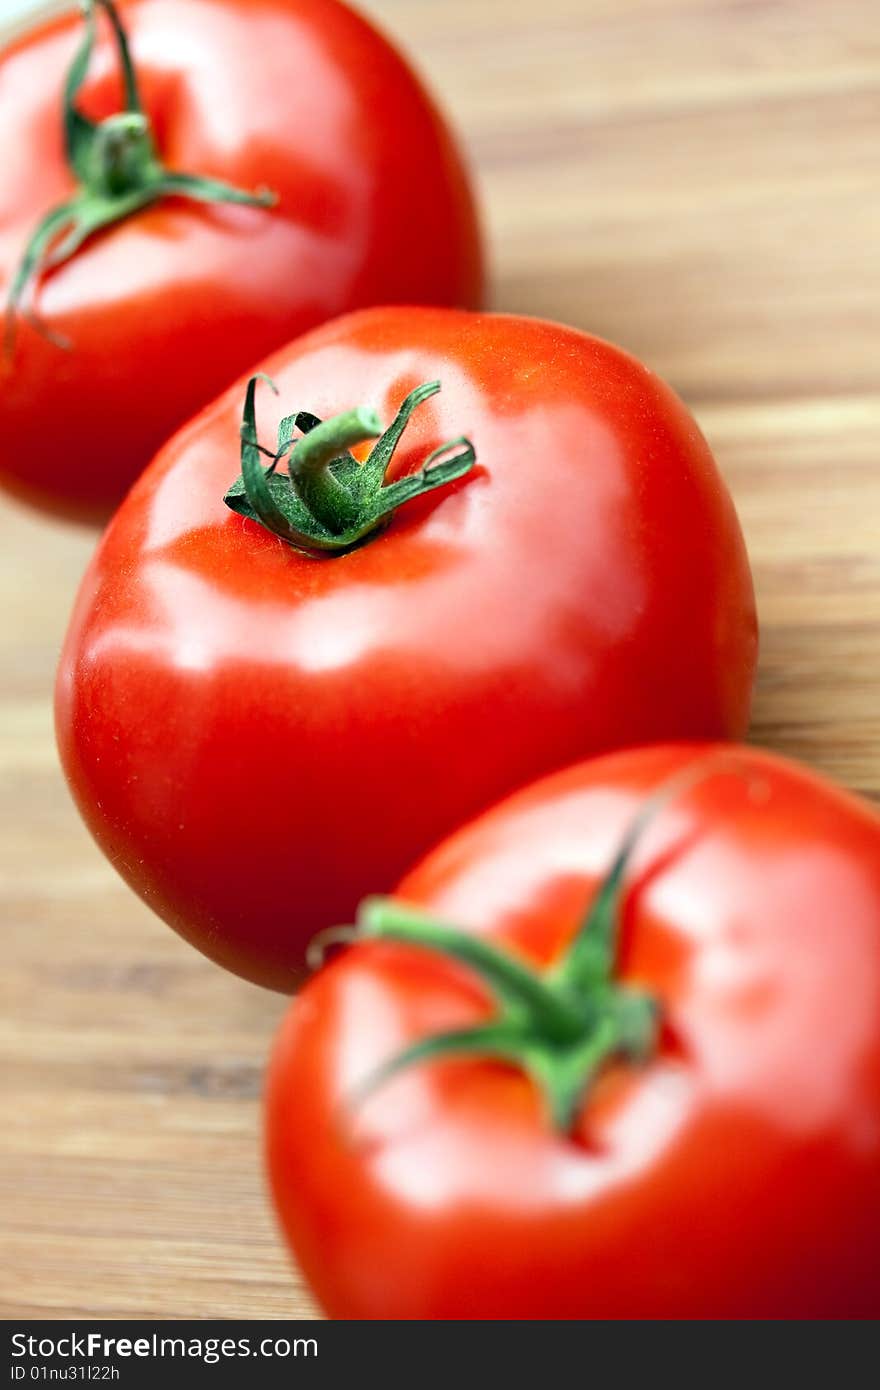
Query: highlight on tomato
[(306, 650), (184, 187), (611, 1051)]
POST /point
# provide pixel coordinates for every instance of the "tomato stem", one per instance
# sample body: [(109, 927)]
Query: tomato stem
[(117, 168), (510, 979), (558, 1035), (563, 1025), (322, 492), (327, 502)]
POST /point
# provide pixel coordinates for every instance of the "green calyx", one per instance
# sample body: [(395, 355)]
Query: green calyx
[(117, 168), (326, 502), (561, 1026)]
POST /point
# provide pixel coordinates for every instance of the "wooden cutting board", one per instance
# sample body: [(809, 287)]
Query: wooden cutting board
[(697, 180)]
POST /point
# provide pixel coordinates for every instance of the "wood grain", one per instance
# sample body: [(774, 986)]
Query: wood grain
[(694, 179)]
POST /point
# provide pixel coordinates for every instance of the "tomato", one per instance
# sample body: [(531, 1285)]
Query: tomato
[(169, 299), (257, 737), (734, 1171)]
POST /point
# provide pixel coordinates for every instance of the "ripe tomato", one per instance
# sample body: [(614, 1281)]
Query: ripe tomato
[(163, 307), (257, 737), (734, 1173)]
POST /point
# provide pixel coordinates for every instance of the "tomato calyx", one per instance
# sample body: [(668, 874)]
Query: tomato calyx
[(118, 173), (561, 1026), (327, 502)]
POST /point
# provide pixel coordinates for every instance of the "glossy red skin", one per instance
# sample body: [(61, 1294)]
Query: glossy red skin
[(736, 1175), (165, 309), (257, 738)]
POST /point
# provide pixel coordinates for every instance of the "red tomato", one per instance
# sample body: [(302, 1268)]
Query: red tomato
[(164, 308), (257, 738), (736, 1174)]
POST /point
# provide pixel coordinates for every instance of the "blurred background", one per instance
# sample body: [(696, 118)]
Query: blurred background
[(694, 179)]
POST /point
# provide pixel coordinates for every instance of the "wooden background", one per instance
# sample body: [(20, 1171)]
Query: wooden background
[(697, 180)]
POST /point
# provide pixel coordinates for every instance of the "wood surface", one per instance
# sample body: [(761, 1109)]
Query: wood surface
[(696, 180)]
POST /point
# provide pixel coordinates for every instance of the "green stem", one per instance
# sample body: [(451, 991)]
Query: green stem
[(121, 158), (562, 1038), (560, 1026), (117, 169), (510, 979), (328, 499), (327, 503)]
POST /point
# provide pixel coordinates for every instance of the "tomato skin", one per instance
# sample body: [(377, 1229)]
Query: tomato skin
[(257, 738), (166, 308), (736, 1175)]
